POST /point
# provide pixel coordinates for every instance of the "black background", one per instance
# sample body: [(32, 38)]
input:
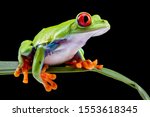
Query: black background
[(124, 48)]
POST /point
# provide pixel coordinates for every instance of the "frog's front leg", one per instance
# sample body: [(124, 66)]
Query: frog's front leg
[(79, 61), (39, 70)]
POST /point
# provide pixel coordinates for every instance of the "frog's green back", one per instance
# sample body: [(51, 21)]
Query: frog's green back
[(48, 35)]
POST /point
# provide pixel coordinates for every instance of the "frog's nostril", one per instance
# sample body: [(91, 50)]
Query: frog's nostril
[(102, 20)]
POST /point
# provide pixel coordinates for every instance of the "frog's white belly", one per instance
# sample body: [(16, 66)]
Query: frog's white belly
[(63, 53), (60, 56)]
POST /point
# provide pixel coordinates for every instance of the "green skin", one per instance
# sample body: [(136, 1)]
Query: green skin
[(60, 43)]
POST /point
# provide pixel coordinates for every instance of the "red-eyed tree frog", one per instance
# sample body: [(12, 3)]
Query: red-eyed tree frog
[(59, 44)]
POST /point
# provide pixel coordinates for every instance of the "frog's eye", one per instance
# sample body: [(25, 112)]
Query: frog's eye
[(84, 19)]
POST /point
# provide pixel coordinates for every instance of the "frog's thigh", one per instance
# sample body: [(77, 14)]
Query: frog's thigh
[(79, 55), (38, 62)]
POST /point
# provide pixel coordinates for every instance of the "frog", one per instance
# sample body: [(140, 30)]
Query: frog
[(59, 44)]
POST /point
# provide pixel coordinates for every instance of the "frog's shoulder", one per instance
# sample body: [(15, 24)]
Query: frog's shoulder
[(43, 36)]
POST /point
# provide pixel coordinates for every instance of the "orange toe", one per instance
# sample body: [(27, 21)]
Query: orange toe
[(78, 65), (44, 68), (48, 82), (48, 76), (25, 78), (95, 62), (53, 84), (47, 87), (99, 66), (17, 72), (87, 64)]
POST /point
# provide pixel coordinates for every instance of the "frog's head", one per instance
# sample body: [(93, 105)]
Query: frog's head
[(91, 25)]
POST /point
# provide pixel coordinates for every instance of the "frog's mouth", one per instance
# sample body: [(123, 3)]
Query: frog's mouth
[(94, 32)]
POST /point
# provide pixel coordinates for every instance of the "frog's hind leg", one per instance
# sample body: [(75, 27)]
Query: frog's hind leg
[(24, 70), (25, 60), (79, 61), (39, 70)]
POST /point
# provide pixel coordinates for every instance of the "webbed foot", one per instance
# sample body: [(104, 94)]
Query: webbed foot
[(24, 69), (47, 79), (86, 64)]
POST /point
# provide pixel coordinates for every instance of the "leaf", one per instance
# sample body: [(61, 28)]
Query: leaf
[(8, 68)]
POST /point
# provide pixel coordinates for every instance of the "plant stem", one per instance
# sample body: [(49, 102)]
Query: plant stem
[(8, 68)]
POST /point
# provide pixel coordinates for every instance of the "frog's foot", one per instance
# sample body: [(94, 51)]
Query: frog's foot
[(86, 64), (47, 79), (23, 70)]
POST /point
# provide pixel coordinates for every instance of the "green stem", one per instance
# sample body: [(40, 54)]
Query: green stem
[(117, 76), (8, 68)]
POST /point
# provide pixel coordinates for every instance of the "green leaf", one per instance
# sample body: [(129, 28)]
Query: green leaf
[(8, 68)]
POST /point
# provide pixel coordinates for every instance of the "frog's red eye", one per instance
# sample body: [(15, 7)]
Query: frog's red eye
[(84, 19)]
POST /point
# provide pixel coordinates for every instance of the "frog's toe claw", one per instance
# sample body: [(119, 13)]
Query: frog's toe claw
[(48, 82)]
